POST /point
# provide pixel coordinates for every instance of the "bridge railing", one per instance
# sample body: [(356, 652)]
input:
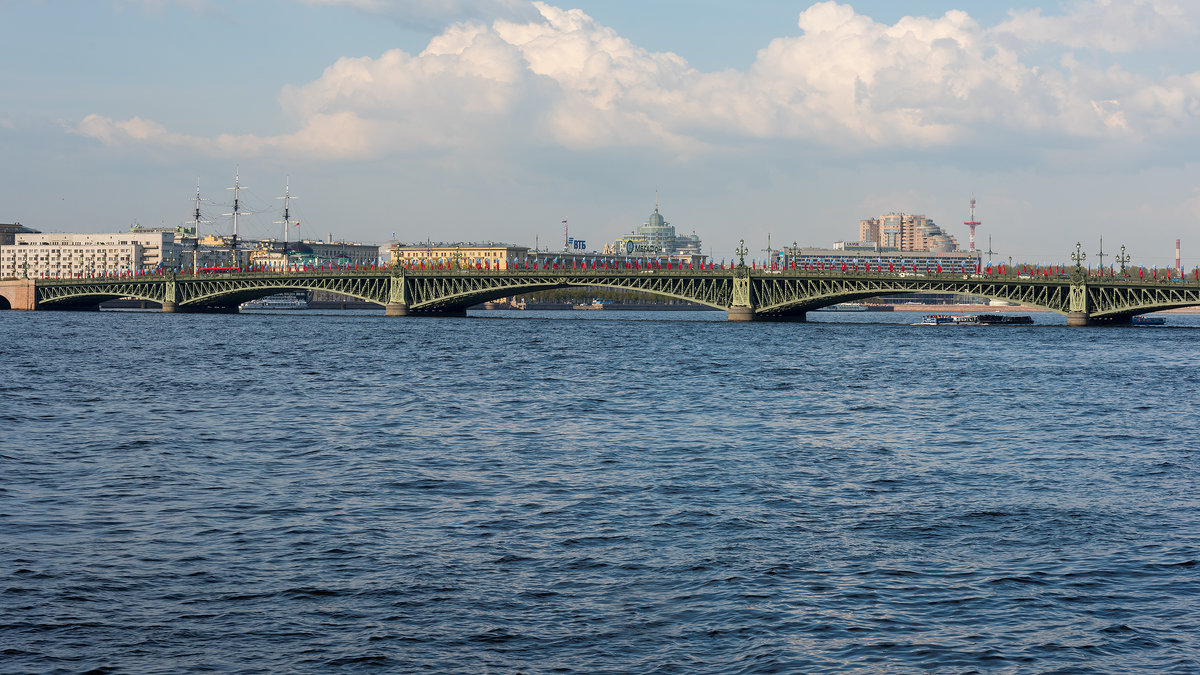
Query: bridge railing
[(1130, 277)]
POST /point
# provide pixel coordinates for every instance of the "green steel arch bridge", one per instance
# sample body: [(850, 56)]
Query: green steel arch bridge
[(746, 294)]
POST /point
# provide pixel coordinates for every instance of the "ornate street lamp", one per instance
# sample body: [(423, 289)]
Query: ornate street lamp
[(1122, 260)]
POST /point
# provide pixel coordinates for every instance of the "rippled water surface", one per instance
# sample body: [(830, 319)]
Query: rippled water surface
[(594, 492)]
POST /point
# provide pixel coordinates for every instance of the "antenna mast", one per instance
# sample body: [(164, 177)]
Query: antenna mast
[(196, 224), (236, 212), (770, 251), (566, 240), (990, 252), (972, 223)]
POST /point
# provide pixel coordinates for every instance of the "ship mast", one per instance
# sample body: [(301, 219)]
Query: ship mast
[(287, 218), (196, 225), (236, 212)]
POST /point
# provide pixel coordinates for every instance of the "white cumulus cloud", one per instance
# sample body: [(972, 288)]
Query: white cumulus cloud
[(1108, 25), (434, 12), (841, 81)]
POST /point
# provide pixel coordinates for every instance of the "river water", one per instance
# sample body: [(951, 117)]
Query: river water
[(596, 492)]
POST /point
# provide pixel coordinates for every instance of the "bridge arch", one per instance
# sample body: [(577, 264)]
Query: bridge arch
[(231, 299), (226, 293), (1109, 305), (826, 299), (88, 300), (4, 302), (434, 294)]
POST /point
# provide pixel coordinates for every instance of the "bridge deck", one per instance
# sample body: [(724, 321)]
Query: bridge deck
[(745, 293)]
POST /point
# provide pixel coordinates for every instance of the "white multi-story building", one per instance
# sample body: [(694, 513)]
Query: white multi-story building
[(61, 255)]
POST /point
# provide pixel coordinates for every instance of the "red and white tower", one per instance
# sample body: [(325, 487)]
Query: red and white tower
[(972, 223)]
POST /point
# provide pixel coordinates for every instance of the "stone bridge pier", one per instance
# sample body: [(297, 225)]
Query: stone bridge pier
[(742, 307), (1078, 319), (18, 294)]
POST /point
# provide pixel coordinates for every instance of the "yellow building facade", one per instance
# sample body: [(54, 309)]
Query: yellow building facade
[(494, 256)]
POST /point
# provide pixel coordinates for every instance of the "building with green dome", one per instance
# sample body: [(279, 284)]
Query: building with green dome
[(654, 237)]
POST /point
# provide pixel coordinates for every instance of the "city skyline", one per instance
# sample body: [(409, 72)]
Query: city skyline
[(497, 119)]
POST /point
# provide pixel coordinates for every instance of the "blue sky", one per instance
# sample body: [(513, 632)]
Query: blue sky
[(496, 119)]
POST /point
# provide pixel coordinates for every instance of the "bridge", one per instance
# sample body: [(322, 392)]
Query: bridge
[(745, 294)]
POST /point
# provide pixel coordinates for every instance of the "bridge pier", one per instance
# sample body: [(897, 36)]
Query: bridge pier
[(742, 314), (1078, 319), (169, 307), (18, 294), (395, 309)]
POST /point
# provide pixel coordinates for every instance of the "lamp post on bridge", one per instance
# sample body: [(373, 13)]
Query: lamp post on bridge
[(1078, 307), (1122, 260), (741, 307)]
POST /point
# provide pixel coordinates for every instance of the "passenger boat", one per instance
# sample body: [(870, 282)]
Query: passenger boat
[(1004, 320), (843, 307), (976, 320), (277, 302), (1147, 320)]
